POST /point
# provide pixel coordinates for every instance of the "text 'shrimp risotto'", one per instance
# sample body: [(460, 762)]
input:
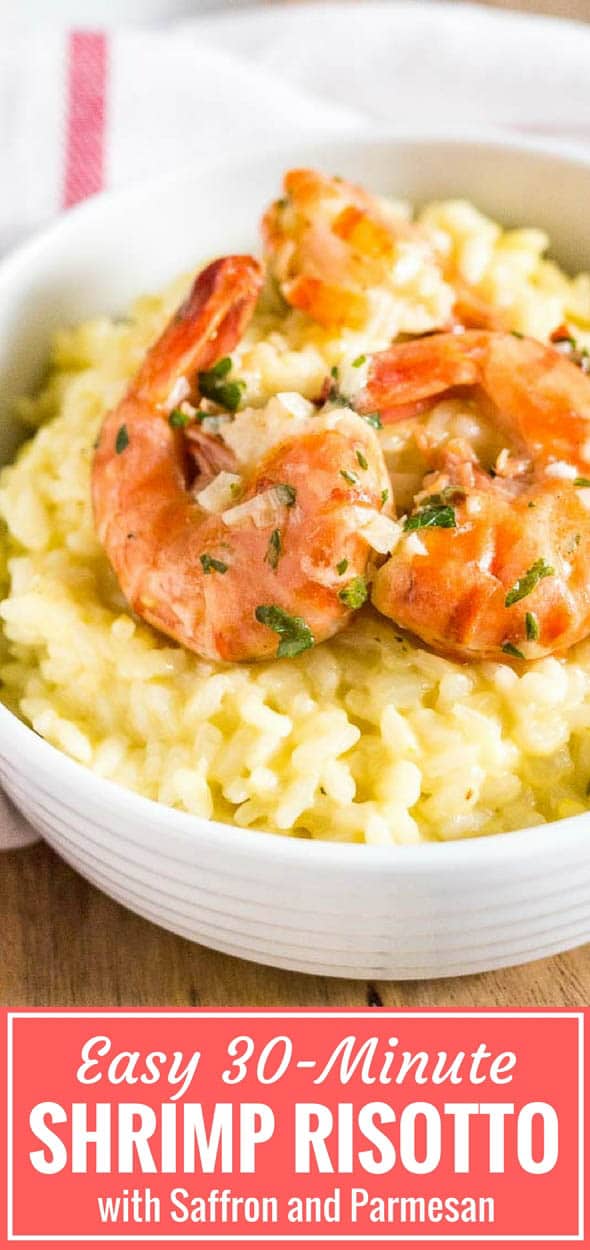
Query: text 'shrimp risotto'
[(372, 735)]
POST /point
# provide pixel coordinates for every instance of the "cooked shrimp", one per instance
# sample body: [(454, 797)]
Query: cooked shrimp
[(493, 566), (343, 256), (281, 565), (472, 312)]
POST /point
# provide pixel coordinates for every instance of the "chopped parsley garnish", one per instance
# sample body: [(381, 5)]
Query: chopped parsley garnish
[(274, 549), (122, 439), (294, 633), (221, 369), (355, 594), (228, 396), (516, 334), (435, 513), (362, 460), (360, 360), (342, 567), (384, 496), (211, 565), (527, 583), (286, 494), (212, 385), (349, 477), (178, 419), (509, 649), (373, 418), (532, 626), (582, 481), (335, 395)]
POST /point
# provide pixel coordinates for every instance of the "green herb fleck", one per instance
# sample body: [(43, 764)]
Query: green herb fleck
[(349, 477), (229, 396), (286, 494), (516, 334), (527, 583), (510, 649), (178, 419), (213, 386), (373, 418), (532, 626), (342, 567), (335, 395), (221, 369), (582, 481), (338, 398), (360, 360), (362, 460), (210, 564), (275, 549), (355, 594), (384, 497), (434, 514), (294, 634), (122, 439)]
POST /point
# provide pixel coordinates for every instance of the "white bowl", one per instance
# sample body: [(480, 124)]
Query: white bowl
[(433, 910)]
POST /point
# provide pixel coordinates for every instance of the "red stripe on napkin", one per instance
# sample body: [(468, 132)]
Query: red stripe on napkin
[(84, 156)]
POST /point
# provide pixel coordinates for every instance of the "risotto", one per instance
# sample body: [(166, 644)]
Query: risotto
[(367, 737)]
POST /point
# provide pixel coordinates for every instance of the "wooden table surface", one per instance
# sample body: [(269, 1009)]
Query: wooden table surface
[(63, 942)]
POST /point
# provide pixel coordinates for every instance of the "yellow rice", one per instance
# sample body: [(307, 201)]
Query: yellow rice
[(367, 737)]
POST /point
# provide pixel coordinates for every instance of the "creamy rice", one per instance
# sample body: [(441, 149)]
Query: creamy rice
[(366, 737)]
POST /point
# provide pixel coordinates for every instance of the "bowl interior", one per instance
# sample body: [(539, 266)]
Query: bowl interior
[(99, 257)]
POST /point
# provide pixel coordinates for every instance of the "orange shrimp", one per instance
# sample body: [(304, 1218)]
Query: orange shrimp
[(471, 312), (279, 569), (338, 252), (492, 566)]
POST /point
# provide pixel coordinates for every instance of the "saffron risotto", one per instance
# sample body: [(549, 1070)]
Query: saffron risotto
[(368, 737)]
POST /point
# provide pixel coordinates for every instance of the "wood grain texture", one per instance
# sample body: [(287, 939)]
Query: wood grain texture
[(574, 9), (64, 943)]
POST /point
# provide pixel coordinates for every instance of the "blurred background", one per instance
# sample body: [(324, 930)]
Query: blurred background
[(119, 11)]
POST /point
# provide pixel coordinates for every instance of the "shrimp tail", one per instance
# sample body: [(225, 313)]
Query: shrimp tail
[(206, 326), (404, 378)]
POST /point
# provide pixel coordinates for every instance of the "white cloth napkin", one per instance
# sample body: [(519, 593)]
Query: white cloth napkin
[(84, 110)]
